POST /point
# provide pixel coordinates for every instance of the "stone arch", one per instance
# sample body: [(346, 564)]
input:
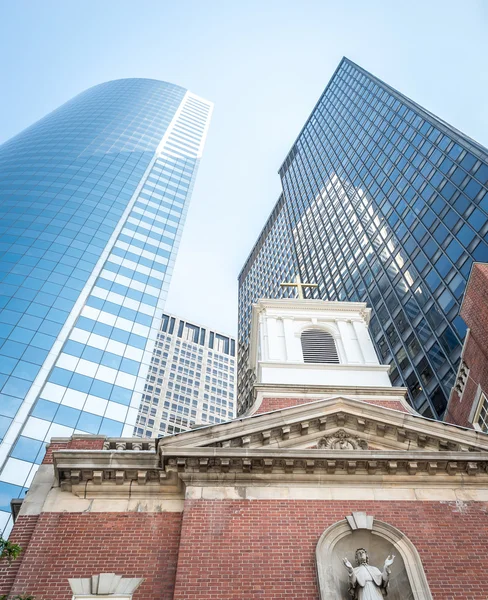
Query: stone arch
[(361, 530)]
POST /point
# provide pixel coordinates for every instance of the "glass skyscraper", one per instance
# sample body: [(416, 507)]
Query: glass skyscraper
[(271, 262), (383, 202), (92, 200)]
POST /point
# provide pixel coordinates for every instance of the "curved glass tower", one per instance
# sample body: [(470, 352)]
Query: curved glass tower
[(92, 202)]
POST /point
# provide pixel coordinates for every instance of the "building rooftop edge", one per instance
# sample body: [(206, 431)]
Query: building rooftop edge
[(153, 80), (444, 124), (314, 303), (343, 59), (261, 234), (202, 326), (471, 273)]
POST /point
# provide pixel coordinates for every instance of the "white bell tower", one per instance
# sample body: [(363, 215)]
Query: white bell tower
[(314, 342)]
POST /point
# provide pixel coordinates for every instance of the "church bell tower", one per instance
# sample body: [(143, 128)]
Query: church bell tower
[(322, 346)]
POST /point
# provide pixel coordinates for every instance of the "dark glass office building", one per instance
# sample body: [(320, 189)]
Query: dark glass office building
[(93, 198), (385, 203), (271, 262)]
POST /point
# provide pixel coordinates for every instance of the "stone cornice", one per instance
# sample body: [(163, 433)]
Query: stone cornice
[(100, 474), (376, 421), (284, 446), (324, 366), (364, 463), (91, 473)]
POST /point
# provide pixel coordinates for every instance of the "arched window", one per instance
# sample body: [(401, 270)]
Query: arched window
[(318, 347)]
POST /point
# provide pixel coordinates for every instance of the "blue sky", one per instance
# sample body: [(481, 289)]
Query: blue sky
[(264, 63)]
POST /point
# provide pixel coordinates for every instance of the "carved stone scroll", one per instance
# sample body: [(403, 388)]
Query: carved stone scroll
[(342, 440)]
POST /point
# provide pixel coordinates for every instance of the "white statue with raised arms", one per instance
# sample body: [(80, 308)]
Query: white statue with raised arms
[(367, 582)]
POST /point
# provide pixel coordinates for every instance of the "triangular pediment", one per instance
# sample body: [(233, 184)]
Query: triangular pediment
[(336, 424)]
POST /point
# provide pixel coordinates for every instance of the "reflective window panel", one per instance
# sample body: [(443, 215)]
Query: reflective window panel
[(387, 204), (271, 262), (93, 199)]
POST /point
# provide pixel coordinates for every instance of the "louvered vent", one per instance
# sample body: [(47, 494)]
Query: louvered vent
[(318, 347)]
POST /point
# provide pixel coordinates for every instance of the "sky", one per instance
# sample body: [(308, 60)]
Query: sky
[(264, 63)]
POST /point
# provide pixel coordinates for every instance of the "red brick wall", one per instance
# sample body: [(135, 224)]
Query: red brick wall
[(458, 411), (21, 534), (393, 404), (86, 444), (68, 545), (474, 310), (74, 444), (475, 313), (52, 447), (270, 404), (238, 550)]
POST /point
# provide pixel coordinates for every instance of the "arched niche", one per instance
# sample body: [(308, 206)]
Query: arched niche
[(407, 579)]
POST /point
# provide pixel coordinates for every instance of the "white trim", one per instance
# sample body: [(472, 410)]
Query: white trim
[(327, 366), (111, 597)]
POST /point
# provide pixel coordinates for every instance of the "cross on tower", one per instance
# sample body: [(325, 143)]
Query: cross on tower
[(299, 285)]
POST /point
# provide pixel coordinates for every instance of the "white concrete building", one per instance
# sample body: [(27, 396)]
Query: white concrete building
[(191, 380)]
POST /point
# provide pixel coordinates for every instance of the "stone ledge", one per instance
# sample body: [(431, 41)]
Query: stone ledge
[(331, 462), (328, 408), (315, 466)]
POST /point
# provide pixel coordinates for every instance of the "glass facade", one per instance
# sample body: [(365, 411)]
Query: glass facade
[(92, 198), (271, 262), (191, 380), (388, 204)]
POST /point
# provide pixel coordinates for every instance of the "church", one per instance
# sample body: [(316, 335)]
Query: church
[(330, 487)]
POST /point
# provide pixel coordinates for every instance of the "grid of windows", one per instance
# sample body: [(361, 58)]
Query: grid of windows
[(270, 263), (389, 205), (191, 380), (93, 198)]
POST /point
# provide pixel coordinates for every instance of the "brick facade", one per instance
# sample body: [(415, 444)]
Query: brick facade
[(266, 549), (270, 404), (21, 534), (238, 549), (204, 517), (474, 311), (64, 545), (77, 443)]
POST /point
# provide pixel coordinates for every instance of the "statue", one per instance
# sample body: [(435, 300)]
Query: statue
[(367, 582)]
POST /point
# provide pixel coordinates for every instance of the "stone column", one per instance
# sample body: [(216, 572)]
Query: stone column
[(349, 342), (263, 353), (291, 342), (281, 341), (365, 343)]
